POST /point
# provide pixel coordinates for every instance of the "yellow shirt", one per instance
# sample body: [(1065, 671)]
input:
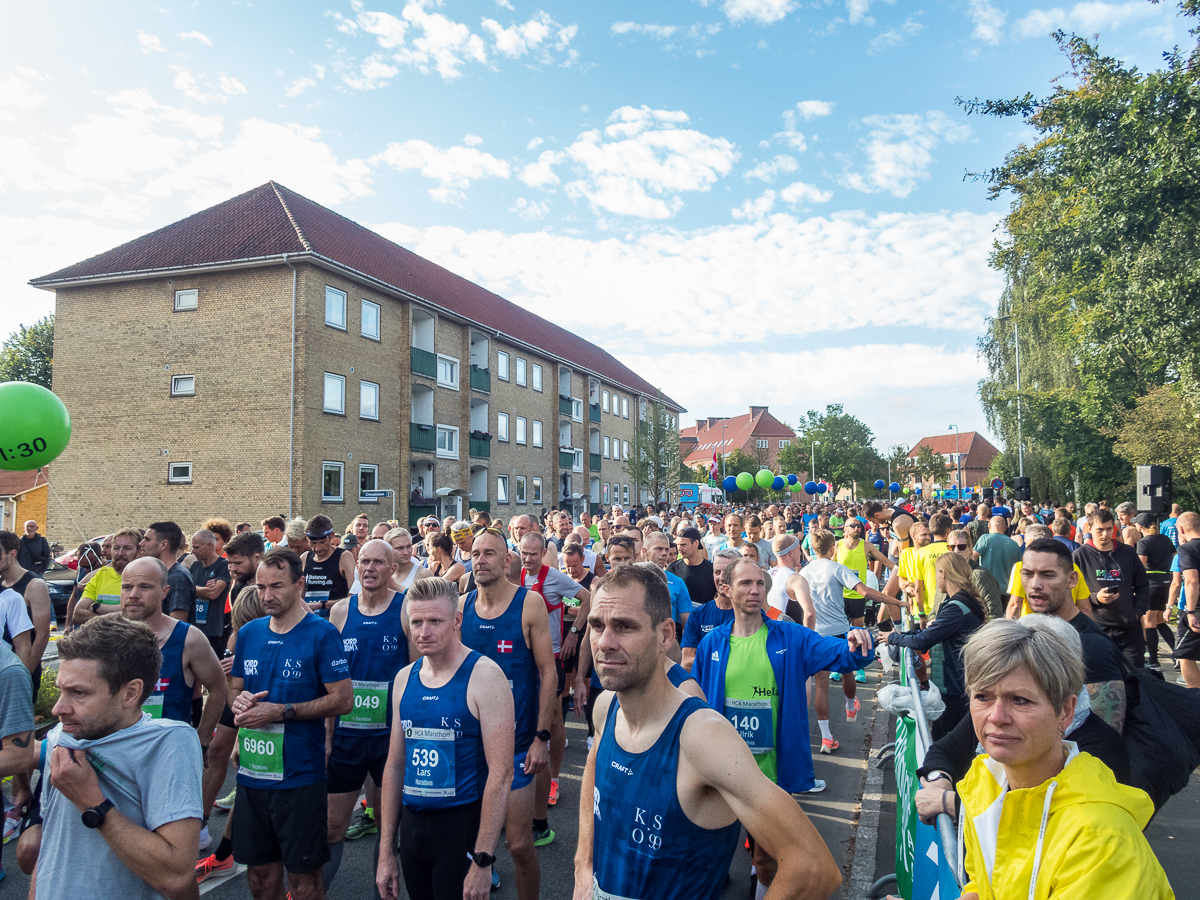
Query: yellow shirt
[(929, 555), (856, 560), (1017, 589), (104, 587)]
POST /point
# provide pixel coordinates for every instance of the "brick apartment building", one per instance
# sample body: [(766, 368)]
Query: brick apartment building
[(269, 356), (756, 433), (975, 451)]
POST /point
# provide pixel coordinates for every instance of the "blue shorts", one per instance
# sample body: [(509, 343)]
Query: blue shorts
[(520, 779)]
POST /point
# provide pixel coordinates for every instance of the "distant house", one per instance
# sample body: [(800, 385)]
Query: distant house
[(974, 450), (755, 433), (23, 496)]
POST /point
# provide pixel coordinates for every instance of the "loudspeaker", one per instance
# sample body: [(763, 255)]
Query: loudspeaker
[(989, 496), (1154, 489), (1021, 489)]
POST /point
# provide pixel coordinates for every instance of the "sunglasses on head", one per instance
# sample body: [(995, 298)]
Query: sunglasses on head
[(318, 537)]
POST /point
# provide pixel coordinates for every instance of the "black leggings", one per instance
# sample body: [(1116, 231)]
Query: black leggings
[(434, 844)]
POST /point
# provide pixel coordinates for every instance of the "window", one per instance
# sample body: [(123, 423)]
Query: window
[(335, 394), (370, 320), (368, 400), (604, 493), (183, 385), (604, 449), (576, 409), (447, 442), (186, 300), (501, 488), (577, 461), (784, 443), (502, 365), (520, 371), (625, 407), (179, 473), (520, 495), (625, 449), (537, 377), (368, 480), (537, 433), (625, 494), (335, 308), (604, 401), (502, 426), (520, 429), (537, 491), (762, 444), (331, 481), (447, 371)]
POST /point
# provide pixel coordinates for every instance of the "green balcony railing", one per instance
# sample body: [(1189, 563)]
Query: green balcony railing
[(480, 506), (481, 379), (564, 405), (566, 459), (417, 513), (595, 462), (480, 447), (424, 362), (594, 412), (422, 437)]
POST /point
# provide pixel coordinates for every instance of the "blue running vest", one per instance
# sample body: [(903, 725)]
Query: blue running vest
[(677, 675), (377, 650), (172, 697), (644, 846), (503, 640), (444, 762)]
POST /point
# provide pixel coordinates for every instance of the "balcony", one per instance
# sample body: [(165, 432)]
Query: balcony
[(424, 362), (564, 405), (422, 437), (566, 459), (595, 461), (594, 412), (480, 447), (481, 380)]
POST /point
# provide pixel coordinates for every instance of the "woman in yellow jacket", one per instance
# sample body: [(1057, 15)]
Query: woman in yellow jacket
[(1038, 819)]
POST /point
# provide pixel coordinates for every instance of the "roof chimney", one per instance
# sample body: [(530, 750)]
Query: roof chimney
[(757, 411), (713, 420), (700, 423)]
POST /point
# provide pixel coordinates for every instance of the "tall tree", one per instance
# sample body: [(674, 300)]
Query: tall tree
[(655, 462), (929, 467), (846, 454), (28, 354)]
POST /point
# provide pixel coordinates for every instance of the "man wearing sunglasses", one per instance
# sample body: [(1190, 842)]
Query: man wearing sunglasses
[(328, 569)]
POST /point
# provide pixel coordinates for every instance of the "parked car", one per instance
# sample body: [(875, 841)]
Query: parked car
[(60, 581)]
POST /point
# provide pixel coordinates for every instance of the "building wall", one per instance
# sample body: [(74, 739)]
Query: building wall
[(32, 505), (523, 460)]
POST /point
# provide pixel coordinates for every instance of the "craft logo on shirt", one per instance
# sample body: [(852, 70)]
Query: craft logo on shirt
[(349, 645), (293, 668), (504, 646), (250, 667), (620, 768)]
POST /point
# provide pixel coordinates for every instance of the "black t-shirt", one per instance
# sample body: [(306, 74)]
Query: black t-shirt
[(212, 612), (1189, 555), (182, 596), (1102, 659), (1117, 568), (1158, 550), (699, 579)]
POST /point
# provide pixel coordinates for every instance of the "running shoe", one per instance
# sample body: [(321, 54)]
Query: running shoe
[(835, 676), (553, 801), (363, 826), (226, 802), (544, 837), (211, 867), (818, 786), (852, 714), (860, 676), (828, 745), (495, 879), (205, 838)]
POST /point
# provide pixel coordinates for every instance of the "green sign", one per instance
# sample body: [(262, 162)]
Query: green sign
[(370, 706), (262, 752), (906, 794)]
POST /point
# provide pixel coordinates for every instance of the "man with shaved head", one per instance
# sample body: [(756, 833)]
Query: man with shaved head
[(210, 573)]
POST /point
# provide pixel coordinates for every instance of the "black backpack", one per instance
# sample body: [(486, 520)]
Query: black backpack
[(1162, 733)]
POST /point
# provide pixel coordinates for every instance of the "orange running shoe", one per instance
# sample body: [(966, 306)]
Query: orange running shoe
[(553, 792), (211, 867), (828, 745)]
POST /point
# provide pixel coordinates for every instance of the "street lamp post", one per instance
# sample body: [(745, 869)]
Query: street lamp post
[(1017, 348), (958, 462), (813, 475)]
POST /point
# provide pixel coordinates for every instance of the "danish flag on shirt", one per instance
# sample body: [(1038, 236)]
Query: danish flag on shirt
[(504, 646), (161, 685)]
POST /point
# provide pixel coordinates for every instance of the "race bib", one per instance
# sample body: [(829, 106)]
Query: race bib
[(262, 752), (598, 893), (429, 769), (754, 721), (202, 611), (316, 596), (108, 599), (153, 706), (370, 706)]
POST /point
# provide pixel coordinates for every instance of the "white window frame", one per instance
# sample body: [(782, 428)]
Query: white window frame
[(535, 380), (502, 365), (576, 409), (604, 447), (502, 427), (521, 369), (625, 407), (537, 433), (361, 470), (577, 462), (520, 434), (364, 389), (625, 494), (181, 478), (340, 380), (368, 304), (449, 430), (339, 299), (604, 401), (519, 492), (625, 449), (604, 493), (537, 491), (784, 443), (502, 489), (340, 468), (178, 388), (761, 444), (187, 299), (443, 358)]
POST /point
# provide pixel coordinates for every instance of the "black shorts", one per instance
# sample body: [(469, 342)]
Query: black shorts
[(856, 608), (287, 825), (227, 717), (1159, 594), (1187, 642), (434, 844), (353, 758)]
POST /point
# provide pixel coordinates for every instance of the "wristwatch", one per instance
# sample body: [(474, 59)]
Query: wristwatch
[(96, 607), (94, 817), (481, 859), (542, 736), (574, 629), (289, 712)]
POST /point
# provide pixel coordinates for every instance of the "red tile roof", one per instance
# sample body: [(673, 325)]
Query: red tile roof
[(977, 451), (270, 220), (738, 433), (14, 483)]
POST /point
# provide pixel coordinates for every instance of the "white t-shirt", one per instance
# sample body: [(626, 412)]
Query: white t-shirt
[(778, 597), (826, 579), (13, 614)]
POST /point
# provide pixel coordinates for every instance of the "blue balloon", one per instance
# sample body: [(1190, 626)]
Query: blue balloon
[(918, 490), (730, 484), (777, 483), (810, 487), (792, 479), (894, 487), (879, 484)]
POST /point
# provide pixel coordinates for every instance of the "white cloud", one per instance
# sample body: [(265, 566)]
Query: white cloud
[(769, 169), (764, 12), (638, 164), (989, 21), (756, 208), (857, 12), (207, 92), (531, 210), (149, 43), (894, 37), (799, 193), (535, 37), (472, 140), (661, 32), (453, 168), (1086, 18), (535, 143), (231, 86), (793, 137), (899, 151), (17, 90), (814, 109), (299, 86), (195, 36)]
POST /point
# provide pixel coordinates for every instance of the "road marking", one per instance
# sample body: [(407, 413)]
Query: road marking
[(217, 882)]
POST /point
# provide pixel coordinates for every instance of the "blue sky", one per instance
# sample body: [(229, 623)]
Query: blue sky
[(749, 201)]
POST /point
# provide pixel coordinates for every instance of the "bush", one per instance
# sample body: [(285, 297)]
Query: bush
[(48, 694)]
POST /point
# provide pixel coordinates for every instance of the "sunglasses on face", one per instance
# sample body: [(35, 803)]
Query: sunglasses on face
[(960, 546)]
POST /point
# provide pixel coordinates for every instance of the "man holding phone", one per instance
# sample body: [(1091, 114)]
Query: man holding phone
[(1119, 585)]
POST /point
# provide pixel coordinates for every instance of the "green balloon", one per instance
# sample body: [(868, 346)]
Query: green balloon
[(764, 478), (34, 426), (745, 481), (907, 491)]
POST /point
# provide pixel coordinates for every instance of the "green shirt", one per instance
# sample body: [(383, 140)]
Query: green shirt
[(836, 523), (752, 697)]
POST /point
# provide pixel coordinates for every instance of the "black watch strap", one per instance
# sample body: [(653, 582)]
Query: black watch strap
[(481, 859), (542, 736), (94, 816)]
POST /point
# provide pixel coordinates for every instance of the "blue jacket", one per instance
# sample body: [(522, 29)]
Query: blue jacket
[(796, 653)]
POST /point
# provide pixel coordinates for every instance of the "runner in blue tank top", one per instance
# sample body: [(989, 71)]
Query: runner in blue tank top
[(450, 758), (509, 625), (667, 780), (376, 644)]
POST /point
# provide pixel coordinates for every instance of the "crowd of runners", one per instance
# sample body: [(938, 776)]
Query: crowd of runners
[(413, 685)]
